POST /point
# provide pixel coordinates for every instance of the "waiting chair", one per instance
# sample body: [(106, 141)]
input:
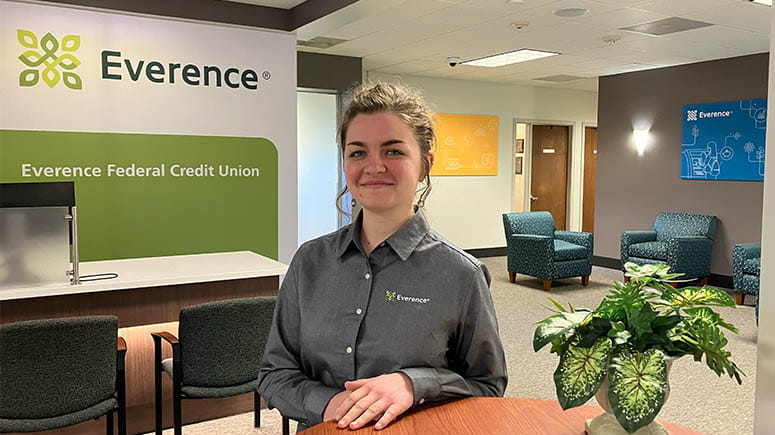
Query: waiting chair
[(536, 249), (218, 354), (60, 372), (746, 268), (683, 241)]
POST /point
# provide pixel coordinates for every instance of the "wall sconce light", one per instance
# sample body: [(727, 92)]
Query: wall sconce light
[(641, 139)]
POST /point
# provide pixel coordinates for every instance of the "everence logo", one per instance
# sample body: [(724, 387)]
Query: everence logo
[(392, 296), (45, 54)]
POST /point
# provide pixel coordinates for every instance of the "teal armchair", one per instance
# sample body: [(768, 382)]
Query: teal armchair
[(746, 268), (537, 249), (681, 240)]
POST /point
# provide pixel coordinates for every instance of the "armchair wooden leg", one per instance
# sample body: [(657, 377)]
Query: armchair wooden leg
[(512, 276), (739, 298), (585, 280), (626, 278), (256, 409), (674, 284), (547, 284), (703, 281)]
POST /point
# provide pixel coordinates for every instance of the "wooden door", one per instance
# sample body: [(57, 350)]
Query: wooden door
[(549, 171), (590, 166)]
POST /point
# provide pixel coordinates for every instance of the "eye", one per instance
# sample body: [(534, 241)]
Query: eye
[(355, 154), (394, 152)]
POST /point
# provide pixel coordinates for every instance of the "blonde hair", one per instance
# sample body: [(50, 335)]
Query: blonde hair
[(404, 102)]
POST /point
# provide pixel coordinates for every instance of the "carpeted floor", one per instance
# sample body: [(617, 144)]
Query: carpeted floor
[(698, 399)]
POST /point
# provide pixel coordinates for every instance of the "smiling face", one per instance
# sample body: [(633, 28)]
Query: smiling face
[(382, 163)]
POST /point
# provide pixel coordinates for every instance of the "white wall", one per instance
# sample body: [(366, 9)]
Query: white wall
[(458, 205), (764, 423), (318, 164)]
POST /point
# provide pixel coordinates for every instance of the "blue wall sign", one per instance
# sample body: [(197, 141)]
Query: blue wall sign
[(724, 141)]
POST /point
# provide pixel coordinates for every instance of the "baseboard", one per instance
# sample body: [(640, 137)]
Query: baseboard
[(715, 279), (488, 252), (608, 263)]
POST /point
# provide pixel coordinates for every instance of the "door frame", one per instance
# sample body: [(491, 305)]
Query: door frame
[(340, 219), (584, 126), (527, 164)]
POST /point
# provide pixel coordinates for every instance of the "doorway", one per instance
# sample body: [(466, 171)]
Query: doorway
[(549, 171), (590, 168)]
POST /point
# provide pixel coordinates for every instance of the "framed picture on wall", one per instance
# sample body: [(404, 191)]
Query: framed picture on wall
[(518, 165), (520, 146)]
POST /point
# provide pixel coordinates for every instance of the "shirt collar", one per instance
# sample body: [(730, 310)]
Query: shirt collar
[(404, 241)]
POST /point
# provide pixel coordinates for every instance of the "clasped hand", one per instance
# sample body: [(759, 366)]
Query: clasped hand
[(382, 398)]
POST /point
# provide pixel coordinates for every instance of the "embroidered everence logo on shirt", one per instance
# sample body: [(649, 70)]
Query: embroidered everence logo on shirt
[(391, 296)]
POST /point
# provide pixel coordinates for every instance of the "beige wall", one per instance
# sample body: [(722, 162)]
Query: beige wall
[(467, 210)]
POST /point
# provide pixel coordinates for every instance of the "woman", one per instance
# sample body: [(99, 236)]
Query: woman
[(384, 314)]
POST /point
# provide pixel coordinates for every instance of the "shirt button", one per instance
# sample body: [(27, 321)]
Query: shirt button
[(367, 276), (358, 311), (421, 401), (349, 349)]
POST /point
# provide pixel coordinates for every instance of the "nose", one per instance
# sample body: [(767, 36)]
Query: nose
[(375, 163)]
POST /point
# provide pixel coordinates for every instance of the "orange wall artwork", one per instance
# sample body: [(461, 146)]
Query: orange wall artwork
[(466, 145)]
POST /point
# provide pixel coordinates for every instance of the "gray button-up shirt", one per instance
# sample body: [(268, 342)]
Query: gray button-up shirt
[(417, 305)]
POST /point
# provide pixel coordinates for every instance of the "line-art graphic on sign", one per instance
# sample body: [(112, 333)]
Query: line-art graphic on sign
[(48, 58), (724, 141)]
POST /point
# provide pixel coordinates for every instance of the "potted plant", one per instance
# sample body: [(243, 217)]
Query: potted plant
[(628, 340)]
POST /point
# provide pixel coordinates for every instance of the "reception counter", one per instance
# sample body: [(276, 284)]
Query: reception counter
[(147, 296)]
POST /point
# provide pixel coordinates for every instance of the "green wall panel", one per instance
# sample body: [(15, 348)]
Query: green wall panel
[(149, 216)]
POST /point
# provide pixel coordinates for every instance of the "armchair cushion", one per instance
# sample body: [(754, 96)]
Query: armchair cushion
[(564, 251), (752, 266), (655, 250)]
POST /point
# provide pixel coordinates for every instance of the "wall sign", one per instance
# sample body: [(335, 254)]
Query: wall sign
[(466, 145), (724, 141), (180, 136)]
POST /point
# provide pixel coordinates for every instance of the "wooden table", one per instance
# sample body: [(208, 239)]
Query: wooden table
[(488, 415), (147, 297)]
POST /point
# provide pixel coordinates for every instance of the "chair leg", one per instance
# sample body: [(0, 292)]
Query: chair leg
[(739, 298), (512, 276), (585, 280), (157, 384), (626, 278), (547, 284), (703, 281), (256, 409), (178, 421), (286, 426), (674, 284), (109, 423)]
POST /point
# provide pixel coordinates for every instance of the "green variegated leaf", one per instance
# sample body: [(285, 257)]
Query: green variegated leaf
[(699, 296), (638, 384), (556, 326), (580, 372)]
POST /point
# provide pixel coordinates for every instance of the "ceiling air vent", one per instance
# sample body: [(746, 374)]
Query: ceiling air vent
[(667, 26), (320, 42), (559, 78)]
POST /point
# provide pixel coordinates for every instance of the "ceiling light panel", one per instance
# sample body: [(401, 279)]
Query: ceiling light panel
[(521, 55), (763, 2), (667, 26)]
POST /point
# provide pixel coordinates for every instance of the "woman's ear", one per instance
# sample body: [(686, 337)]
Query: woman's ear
[(431, 157)]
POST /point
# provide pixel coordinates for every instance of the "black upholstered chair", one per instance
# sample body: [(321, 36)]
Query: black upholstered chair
[(60, 372), (217, 354)]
